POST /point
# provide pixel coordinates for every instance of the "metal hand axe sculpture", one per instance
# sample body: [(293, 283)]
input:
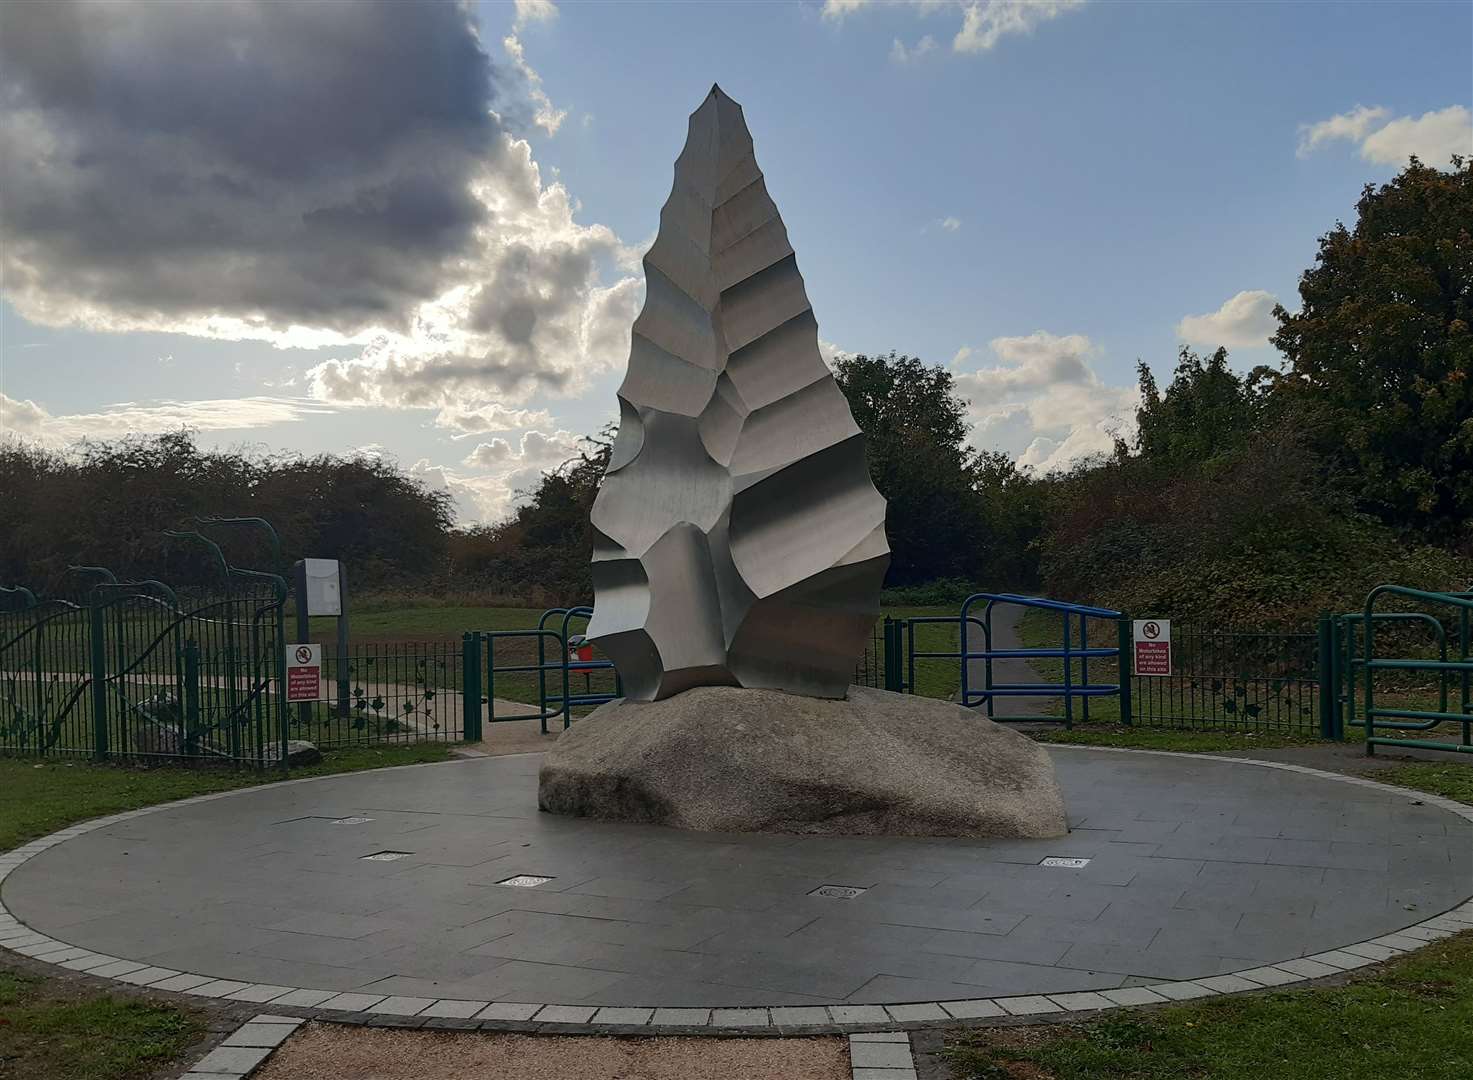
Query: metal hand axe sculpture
[(738, 539)]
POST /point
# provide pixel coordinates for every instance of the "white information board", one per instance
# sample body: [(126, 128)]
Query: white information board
[(324, 590)]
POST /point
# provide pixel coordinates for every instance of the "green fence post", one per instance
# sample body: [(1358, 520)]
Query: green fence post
[(99, 682), (1124, 673), (191, 698), (893, 650), (283, 714), (470, 691), (1329, 689)]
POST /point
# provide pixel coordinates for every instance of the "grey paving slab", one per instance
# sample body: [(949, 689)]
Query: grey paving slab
[(508, 1010), (304, 999), (682, 1017), (1182, 991), (880, 1055), (1200, 868), (972, 1009), (260, 1035), (920, 1011), (1228, 984), (351, 1002), (800, 1015), (739, 1018), (232, 1059), (859, 1014), (564, 1014), (458, 1010)]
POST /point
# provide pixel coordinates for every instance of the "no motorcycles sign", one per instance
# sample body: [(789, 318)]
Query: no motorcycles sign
[(1152, 647), (303, 672)]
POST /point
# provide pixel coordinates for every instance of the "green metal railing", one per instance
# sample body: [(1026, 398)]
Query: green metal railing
[(1452, 673), (130, 675)]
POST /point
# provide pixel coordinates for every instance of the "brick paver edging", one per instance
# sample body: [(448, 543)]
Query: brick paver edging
[(455, 1013)]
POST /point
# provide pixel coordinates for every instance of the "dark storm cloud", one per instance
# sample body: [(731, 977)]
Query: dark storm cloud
[(275, 162)]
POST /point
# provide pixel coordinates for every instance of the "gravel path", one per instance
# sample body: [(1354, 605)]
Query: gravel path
[(334, 1052)]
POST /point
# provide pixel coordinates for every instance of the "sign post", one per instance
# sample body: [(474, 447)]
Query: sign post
[(322, 589), (303, 673), (1152, 646)]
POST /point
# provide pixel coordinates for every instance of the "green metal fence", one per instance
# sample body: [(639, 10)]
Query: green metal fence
[(130, 675), (1381, 662), (1227, 678), (397, 692)]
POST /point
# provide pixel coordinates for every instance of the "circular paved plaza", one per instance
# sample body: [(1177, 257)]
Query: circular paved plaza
[(400, 884)]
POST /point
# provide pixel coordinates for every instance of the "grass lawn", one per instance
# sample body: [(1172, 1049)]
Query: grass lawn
[(1452, 781), (413, 623), (54, 1029), (37, 798), (1202, 742), (1412, 1020)]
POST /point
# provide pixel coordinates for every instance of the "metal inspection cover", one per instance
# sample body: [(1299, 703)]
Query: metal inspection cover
[(387, 856), (525, 881), (837, 892), (1063, 863)]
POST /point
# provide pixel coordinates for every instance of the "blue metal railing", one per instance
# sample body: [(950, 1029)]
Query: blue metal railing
[(1068, 652)]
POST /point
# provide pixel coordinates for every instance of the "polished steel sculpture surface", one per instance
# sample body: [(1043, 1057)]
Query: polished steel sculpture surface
[(738, 539)]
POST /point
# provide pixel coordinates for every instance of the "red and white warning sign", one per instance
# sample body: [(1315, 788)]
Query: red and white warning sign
[(1152, 647), (303, 672)]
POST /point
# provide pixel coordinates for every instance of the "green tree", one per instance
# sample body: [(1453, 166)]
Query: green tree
[(542, 552), (107, 504), (915, 434), (1207, 410), (1380, 356)]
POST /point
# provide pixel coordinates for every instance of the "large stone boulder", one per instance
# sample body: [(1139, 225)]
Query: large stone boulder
[(729, 759)]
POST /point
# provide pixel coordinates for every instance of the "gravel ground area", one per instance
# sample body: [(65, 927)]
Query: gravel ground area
[(339, 1052)]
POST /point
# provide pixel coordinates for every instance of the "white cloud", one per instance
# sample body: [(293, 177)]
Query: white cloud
[(471, 418), (1043, 401), (534, 11), (27, 419), (548, 118), (832, 353), (950, 224), (1244, 321), (838, 9), (344, 210), (1434, 137), (961, 356), (986, 22), (535, 449), (900, 54), (538, 316), (1354, 125), (486, 485)]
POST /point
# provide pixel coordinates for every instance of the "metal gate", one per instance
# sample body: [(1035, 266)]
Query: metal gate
[(132, 675)]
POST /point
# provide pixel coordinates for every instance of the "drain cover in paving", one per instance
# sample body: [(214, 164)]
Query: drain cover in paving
[(837, 892)]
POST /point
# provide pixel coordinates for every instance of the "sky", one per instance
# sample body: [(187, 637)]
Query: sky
[(415, 229)]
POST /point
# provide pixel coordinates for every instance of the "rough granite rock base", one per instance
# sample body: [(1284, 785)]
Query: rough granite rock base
[(728, 759)]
